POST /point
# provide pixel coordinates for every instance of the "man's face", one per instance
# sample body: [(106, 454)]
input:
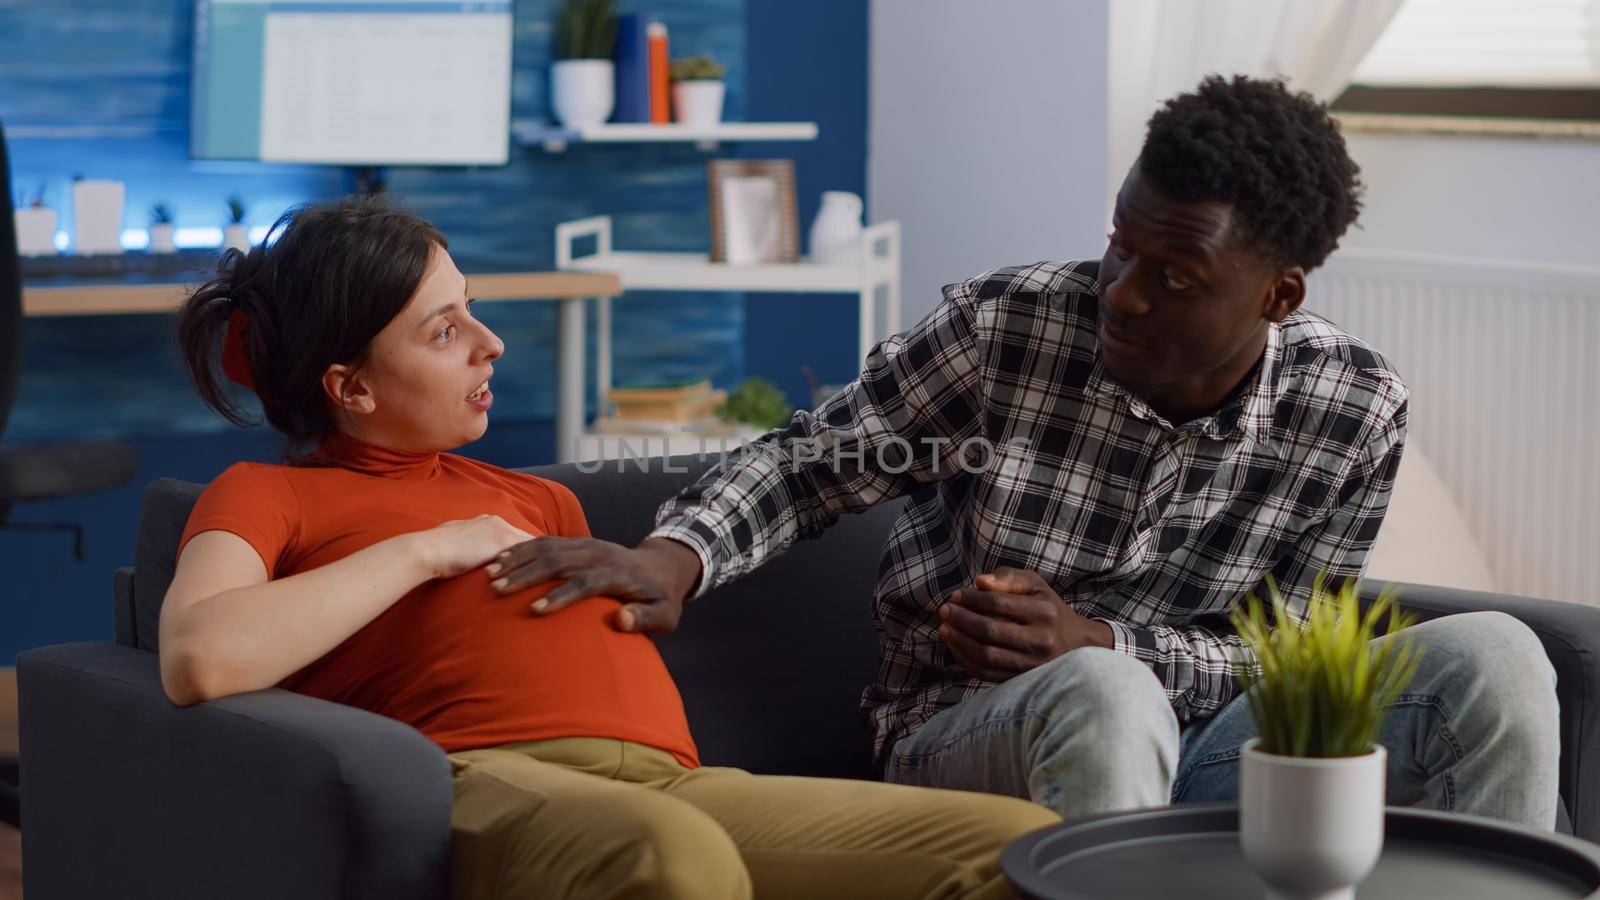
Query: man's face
[(1182, 308)]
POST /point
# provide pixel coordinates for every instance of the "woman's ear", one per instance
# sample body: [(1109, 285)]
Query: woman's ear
[(1287, 292), (347, 390)]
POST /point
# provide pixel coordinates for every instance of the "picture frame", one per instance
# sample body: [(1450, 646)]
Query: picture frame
[(754, 216)]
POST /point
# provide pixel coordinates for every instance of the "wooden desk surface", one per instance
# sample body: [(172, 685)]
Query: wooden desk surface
[(111, 298)]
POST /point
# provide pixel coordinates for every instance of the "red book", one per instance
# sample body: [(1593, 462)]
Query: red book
[(660, 76)]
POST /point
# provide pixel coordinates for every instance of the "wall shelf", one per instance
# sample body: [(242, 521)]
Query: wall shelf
[(555, 139)]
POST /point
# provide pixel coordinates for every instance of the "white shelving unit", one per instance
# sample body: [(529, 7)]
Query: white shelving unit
[(555, 138), (651, 271)]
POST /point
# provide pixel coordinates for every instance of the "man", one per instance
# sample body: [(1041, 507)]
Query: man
[(1102, 457)]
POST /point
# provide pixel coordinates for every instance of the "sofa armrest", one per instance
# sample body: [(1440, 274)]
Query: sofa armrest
[(1571, 637), (269, 794)]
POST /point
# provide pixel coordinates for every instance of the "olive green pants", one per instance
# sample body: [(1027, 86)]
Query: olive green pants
[(596, 818)]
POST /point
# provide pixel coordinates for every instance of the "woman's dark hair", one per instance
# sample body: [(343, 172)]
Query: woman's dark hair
[(1276, 157), (326, 280)]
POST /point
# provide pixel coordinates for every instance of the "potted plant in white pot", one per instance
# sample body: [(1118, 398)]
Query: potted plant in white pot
[(161, 240), (236, 235), (36, 226), (583, 80), (1312, 784), (698, 91)]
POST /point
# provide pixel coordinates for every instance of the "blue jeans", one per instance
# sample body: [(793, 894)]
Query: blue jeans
[(1092, 731)]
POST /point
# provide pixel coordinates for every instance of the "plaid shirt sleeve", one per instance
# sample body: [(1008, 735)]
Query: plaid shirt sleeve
[(899, 424), (1200, 666)]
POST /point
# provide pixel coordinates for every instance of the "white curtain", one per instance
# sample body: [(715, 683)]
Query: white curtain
[(1160, 48)]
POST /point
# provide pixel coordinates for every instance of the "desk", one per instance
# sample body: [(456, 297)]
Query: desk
[(571, 289)]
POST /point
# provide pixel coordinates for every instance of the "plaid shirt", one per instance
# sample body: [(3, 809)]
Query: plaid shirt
[(1152, 527)]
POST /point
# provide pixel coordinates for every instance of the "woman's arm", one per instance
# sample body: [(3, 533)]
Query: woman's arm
[(226, 628)]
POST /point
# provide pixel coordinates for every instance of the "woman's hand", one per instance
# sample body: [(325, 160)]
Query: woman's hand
[(462, 545), (656, 576)]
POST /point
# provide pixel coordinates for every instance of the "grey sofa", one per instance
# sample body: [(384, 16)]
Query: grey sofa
[(275, 795)]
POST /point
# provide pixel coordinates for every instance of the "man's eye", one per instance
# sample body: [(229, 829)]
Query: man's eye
[(1172, 283), (1121, 253)]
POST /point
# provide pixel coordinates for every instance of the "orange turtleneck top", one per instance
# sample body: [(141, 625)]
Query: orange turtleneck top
[(459, 662)]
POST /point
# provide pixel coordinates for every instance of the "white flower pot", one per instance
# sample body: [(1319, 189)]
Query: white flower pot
[(835, 237), (1311, 828), (36, 231), (698, 103), (161, 239), (582, 91), (237, 237)]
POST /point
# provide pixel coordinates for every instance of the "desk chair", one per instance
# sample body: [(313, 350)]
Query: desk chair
[(38, 471)]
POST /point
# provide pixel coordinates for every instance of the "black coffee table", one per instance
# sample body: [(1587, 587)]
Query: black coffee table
[(1193, 852)]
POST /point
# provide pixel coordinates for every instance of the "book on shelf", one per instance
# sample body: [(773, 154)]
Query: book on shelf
[(679, 402), (660, 75), (632, 60)]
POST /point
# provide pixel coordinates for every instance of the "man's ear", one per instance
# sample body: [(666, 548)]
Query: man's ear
[(1285, 294), (347, 390)]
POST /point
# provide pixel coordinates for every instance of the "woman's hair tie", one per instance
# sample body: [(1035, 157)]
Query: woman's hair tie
[(235, 352)]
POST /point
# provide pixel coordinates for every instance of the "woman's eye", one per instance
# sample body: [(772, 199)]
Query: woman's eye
[(444, 333)]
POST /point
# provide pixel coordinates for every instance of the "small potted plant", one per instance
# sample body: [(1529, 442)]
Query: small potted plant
[(1312, 785), (161, 229), (236, 235), (756, 402), (698, 91), (583, 79), (36, 226)]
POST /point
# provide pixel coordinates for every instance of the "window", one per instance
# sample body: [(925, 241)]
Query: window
[(1523, 59)]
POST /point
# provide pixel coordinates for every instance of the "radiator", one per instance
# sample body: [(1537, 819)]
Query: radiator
[(1503, 361)]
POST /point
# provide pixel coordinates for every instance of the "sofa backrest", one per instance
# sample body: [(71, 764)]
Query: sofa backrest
[(771, 666)]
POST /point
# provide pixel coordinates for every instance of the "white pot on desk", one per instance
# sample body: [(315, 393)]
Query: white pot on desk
[(161, 239), (36, 231), (97, 216), (1311, 827), (236, 237)]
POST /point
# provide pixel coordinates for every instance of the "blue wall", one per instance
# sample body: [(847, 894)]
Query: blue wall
[(808, 62), (101, 88)]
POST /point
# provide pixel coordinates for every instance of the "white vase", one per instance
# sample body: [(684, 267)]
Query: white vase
[(835, 236), (237, 237), (1311, 828), (36, 231), (161, 239), (698, 103), (97, 216), (582, 91)]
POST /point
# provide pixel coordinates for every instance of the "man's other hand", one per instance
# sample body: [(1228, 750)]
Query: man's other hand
[(1010, 621)]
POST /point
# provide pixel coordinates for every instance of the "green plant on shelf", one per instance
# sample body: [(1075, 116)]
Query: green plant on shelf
[(756, 402), (697, 68), (586, 29), (1323, 686), (236, 209), (160, 214)]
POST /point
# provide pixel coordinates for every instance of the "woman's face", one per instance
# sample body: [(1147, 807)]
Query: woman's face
[(425, 384)]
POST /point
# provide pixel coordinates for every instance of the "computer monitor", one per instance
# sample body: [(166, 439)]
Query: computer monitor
[(353, 82)]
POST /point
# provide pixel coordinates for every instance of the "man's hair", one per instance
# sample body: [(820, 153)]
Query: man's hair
[(1276, 157)]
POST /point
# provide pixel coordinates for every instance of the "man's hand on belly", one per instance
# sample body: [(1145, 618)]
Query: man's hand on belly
[(651, 580), (1011, 621)]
